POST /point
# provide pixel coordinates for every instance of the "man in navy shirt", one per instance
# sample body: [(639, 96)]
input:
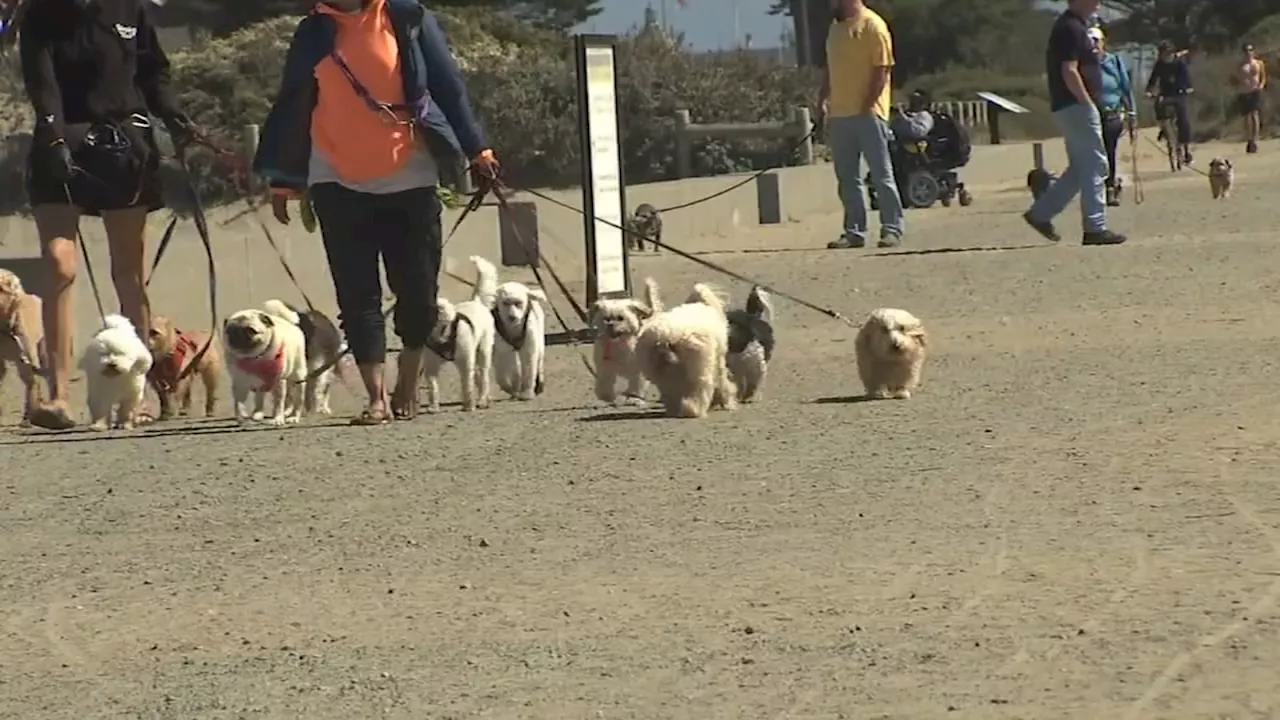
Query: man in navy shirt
[(1075, 81), (1170, 83)]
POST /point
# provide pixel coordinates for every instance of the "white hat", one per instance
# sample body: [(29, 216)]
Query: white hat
[(1096, 34)]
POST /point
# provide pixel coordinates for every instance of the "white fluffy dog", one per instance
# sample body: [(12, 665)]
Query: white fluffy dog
[(682, 352), (115, 366), (520, 318), (891, 348), (617, 323), (266, 353), (464, 336)]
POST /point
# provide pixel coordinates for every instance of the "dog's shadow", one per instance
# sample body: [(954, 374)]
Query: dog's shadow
[(843, 400), (625, 415)]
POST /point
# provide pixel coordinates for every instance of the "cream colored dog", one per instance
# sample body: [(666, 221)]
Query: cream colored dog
[(266, 353), (1221, 177), (465, 335), (21, 337), (682, 352), (520, 354), (891, 348), (617, 323)]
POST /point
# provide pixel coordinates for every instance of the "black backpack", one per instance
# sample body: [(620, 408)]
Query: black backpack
[(957, 136)]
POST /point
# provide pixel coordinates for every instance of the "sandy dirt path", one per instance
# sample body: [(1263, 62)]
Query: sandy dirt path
[(1077, 517)]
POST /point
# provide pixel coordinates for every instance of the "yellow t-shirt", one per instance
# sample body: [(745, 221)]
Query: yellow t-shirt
[(854, 47)]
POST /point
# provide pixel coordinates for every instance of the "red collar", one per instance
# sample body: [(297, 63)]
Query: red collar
[(613, 345), (167, 372), (266, 368)]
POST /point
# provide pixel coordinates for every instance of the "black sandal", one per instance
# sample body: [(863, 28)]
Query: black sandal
[(371, 417), (51, 417)]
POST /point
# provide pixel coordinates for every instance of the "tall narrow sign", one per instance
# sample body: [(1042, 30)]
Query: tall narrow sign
[(603, 186)]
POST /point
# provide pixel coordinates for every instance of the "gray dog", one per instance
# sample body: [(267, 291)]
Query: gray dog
[(644, 224)]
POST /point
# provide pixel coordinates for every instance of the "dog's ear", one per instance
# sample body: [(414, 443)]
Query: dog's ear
[(539, 297), (593, 314), (266, 320), (642, 311), (918, 334)]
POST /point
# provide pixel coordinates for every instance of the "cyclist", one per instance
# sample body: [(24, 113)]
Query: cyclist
[(1169, 84)]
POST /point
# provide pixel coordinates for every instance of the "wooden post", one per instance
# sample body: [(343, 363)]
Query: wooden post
[(803, 119), (684, 145), (993, 122)]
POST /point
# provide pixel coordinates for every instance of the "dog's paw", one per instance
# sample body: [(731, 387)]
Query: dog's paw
[(525, 396), (258, 416), (99, 426), (276, 421), (127, 425), (293, 420), (631, 401), (903, 394)]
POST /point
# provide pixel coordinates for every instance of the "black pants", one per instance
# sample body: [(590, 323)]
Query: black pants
[(403, 229), (1112, 129), (1178, 106)]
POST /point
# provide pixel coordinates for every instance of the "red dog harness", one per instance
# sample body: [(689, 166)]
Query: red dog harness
[(268, 369), (166, 374)]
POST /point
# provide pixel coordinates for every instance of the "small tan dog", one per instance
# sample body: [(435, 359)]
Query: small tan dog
[(617, 323), (1221, 177), (171, 374), (891, 348), (21, 337)]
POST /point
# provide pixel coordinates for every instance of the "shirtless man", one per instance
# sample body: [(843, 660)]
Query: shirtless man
[(1250, 79)]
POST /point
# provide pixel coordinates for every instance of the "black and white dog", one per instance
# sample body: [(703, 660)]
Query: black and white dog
[(644, 224), (324, 349), (751, 343)]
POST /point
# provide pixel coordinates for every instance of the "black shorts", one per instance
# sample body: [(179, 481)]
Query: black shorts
[(1249, 102), (119, 168)]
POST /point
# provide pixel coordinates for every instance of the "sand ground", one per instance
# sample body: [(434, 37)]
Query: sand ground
[(1074, 518)]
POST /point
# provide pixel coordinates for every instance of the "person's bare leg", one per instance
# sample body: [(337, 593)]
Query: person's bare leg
[(126, 238), (127, 244), (374, 377), (57, 226), (405, 399)]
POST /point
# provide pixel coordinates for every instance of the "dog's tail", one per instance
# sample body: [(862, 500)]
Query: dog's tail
[(116, 322), (703, 293), (760, 305), (486, 290), (281, 309), (652, 298)]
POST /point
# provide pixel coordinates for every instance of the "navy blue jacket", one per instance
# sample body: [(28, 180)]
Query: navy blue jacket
[(433, 84), (1170, 78)]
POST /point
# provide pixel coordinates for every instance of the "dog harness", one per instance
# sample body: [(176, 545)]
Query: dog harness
[(267, 369), (516, 342), (611, 346), (447, 348), (165, 375)]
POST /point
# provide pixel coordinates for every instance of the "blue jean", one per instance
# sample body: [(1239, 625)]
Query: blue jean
[(851, 139), (1086, 172)]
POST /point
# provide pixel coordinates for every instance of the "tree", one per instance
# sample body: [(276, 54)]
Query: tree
[(1202, 24)]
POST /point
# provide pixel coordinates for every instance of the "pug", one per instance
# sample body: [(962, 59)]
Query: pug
[(266, 353)]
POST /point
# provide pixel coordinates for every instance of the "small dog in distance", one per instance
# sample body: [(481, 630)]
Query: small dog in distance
[(1222, 176), (644, 224)]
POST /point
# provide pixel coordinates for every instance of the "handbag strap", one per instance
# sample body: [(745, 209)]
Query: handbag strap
[(382, 109)]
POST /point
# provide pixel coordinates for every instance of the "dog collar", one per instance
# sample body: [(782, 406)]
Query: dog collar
[(266, 369), (516, 342), (611, 344)]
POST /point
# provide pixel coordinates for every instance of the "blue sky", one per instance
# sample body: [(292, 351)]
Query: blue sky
[(707, 24)]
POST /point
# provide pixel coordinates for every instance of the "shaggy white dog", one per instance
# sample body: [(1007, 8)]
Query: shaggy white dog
[(464, 336), (520, 319), (617, 323), (682, 352), (891, 348), (115, 365), (266, 353)]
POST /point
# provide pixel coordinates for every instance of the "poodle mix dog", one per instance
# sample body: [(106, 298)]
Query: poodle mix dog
[(891, 348), (324, 350), (617, 323), (21, 338), (644, 224), (520, 318), (464, 336), (751, 344), (266, 353), (115, 366), (682, 352), (172, 374), (1222, 176)]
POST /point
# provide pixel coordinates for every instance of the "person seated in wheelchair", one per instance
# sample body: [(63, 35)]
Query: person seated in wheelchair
[(1169, 85), (913, 125)]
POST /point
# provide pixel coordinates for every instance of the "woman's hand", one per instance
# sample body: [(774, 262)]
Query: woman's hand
[(280, 206), (486, 164)]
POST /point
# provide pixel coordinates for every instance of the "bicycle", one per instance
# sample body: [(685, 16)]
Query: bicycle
[(1168, 115)]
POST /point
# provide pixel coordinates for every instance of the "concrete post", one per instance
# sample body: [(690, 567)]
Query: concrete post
[(769, 198), (684, 145), (519, 224)]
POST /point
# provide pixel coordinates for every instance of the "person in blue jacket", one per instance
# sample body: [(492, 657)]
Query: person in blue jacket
[(1117, 105), (372, 108)]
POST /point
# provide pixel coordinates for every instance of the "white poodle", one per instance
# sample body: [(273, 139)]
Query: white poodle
[(115, 365), (617, 323), (464, 336), (520, 353), (891, 348), (682, 352)]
